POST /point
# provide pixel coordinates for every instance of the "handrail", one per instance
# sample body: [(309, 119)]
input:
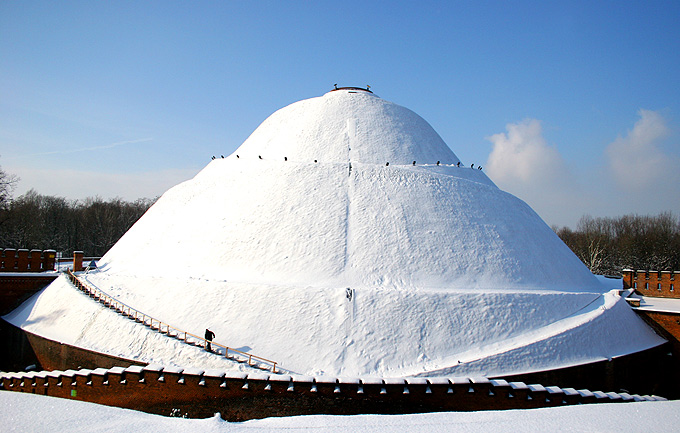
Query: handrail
[(162, 327)]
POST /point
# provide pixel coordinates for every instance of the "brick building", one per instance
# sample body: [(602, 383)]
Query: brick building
[(23, 260), (661, 284)]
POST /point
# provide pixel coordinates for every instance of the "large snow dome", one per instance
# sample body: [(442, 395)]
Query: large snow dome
[(343, 237)]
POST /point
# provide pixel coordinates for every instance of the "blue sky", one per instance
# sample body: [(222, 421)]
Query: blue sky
[(554, 98)]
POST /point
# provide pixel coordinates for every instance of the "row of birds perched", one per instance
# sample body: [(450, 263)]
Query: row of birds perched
[(285, 158)]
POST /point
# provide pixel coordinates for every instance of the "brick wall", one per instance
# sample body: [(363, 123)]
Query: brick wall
[(663, 284), (241, 396), (15, 289), (53, 355), (666, 324), (668, 321), (262, 394)]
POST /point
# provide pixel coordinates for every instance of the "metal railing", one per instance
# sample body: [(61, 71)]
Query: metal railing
[(165, 328)]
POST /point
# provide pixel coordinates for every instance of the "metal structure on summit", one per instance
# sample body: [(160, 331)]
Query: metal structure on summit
[(367, 89)]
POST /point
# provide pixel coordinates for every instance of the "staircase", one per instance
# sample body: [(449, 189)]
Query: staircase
[(168, 330)]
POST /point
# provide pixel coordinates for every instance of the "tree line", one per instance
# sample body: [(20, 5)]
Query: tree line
[(36, 221), (94, 225), (608, 245)]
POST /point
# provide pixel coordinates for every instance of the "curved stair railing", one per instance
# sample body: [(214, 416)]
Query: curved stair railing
[(165, 328)]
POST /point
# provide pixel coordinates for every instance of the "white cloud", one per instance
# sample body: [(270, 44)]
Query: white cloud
[(637, 176), (521, 156), (74, 184), (523, 164), (636, 162)]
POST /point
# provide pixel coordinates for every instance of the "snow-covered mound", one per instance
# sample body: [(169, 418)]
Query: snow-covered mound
[(307, 247), (325, 224)]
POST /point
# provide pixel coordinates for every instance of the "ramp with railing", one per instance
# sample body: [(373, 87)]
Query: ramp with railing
[(169, 330)]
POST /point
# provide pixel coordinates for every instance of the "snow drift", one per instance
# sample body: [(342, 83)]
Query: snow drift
[(344, 237)]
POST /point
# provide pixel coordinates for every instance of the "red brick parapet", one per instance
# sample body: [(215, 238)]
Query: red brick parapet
[(241, 396), (661, 284), (23, 260)]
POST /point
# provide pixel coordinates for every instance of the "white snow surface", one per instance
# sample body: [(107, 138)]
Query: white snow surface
[(347, 266), (663, 305), (34, 413)]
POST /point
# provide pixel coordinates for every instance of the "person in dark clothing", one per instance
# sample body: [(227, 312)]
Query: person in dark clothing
[(209, 335)]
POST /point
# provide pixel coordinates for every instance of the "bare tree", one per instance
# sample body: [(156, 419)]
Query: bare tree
[(93, 225), (608, 245), (7, 184)]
